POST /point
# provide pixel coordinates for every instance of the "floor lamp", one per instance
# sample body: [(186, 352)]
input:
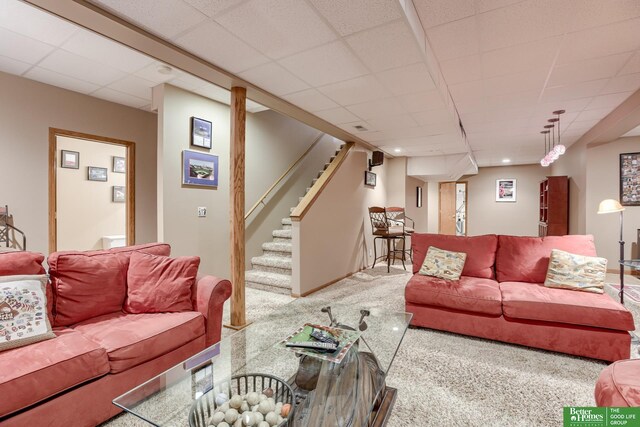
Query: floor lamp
[(611, 206)]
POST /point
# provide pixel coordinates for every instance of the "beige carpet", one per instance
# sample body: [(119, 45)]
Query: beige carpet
[(452, 380)]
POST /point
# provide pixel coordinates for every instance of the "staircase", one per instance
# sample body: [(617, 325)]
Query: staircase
[(272, 270)]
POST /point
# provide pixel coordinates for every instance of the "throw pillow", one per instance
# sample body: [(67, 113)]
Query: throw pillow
[(23, 311), (159, 284), (443, 264), (576, 272)]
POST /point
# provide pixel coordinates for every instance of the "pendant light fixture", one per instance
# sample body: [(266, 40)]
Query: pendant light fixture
[(560, 149), (552, 150), (545, 162)]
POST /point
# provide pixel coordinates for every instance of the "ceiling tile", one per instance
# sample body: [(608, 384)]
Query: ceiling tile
[(119, 97), (460, 70), (216, 93), (337, 115), (633, 66), (590, 69), (389, 46), (596, 114), (275, 79), (322, 65), (21, 48), (607, 101), (72, 65), (189, 82), (421, 101), (436, 12), (12, 66), (42, 26), (166, 18), (392, 122), (532, 80), (351, 16), (582, 125), (354, 91), (134, 86), (601, 41), (105, 51), (487, 5), (351, 127), (594, 13), (151, 73), (410, 79), (369, 110), (277, 28), (626, 83), (310, 100), (456, 39), (212, 8), (573, 91), (433, 117), (517, 59), (215, 44), (59, 80)]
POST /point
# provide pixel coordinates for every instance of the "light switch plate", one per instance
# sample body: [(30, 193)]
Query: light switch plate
[(202, 212)]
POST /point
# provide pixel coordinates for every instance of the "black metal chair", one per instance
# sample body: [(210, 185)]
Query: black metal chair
[(382, 230), (398, 219)]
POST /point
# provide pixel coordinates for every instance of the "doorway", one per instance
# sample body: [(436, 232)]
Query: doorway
[(453, 208), (91, 191)]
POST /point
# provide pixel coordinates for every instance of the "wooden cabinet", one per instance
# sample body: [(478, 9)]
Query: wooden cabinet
[(554, 206)]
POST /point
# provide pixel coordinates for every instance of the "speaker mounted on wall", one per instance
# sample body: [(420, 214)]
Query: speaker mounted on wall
[(377, 158)]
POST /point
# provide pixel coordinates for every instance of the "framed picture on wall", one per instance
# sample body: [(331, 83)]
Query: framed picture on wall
[(118, 195), (97, 174), (200, 169), (201, 133), (419, 197), (630, 179), (506, 190), (369, 179), (119, 164), (69, 159)]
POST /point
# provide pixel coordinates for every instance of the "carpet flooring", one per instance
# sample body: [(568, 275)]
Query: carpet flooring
[(446, 379)]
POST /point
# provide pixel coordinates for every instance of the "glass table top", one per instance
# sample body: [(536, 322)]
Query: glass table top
[(632, 263), (167, 399)]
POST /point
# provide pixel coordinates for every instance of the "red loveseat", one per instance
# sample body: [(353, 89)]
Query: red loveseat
[(100, 351), (501, 296)]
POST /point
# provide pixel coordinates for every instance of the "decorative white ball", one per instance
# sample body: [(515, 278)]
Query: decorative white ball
[(259, 417), (253, 398), (263, 424), (223, 424), (244, 407), (216, 418), (238, 423), (248, 418), (235, 402), (223, 408), (264, 407), (221, 398), (271, 418), (231, 416), (280, 420), (263, 397)]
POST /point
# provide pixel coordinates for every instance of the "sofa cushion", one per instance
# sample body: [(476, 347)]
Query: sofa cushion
[(526, 259), (472, 294), (46, 368), (132, 339), (443, 264), (534, 301), (92, 283), (619, 384), (157, 284), (576, 272), (480, 250), (21, 263)]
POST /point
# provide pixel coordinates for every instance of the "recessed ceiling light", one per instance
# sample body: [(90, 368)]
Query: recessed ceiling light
[(397, 150), (164, 69), (506, 160)]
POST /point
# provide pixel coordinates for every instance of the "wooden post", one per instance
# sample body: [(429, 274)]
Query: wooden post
[(237, 160)]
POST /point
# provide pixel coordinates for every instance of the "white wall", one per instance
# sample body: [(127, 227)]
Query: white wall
[(519, 218), (433, 207), (86, 211), (27, 110), (419, 215)]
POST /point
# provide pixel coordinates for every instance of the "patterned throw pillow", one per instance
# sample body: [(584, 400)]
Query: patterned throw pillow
[(576, 272), (23, 311), (443, 264)]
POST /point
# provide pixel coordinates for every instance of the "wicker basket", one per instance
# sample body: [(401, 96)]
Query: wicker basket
[(204, 407)]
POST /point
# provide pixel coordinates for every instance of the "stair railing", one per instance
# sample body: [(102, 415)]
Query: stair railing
[(6, 228), (291, 167)]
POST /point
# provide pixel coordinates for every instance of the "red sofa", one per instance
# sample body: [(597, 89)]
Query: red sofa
[(501, 296), (99, 351)]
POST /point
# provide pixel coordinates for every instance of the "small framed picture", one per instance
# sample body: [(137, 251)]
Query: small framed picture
[(369, 178), (506, 190), (97, 174), (119, 165), (118, 195), (200, 133), (630, 179), (419, 197), (199, 169), (69, 159)]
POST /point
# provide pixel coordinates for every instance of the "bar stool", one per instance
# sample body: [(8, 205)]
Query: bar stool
[(381, 230)]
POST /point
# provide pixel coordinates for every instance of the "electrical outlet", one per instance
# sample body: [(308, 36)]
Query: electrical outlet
[(202, 212)]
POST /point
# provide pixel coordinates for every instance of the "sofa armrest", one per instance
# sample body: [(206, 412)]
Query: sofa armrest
[(209, 295)]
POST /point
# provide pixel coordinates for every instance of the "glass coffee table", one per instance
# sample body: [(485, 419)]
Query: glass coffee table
[(321, 393)]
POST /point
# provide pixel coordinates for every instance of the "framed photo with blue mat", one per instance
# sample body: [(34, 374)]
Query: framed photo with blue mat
[(201, 133), (199, 169)]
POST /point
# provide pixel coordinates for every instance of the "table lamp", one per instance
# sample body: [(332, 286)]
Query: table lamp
[(612, 206)]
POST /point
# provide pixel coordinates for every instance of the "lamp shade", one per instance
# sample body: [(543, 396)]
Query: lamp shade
[(609, 206)]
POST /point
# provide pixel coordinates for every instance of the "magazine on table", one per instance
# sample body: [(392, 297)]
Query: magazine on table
[(345, 340)]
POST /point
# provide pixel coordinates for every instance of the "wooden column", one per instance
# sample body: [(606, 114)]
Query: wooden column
[(237, 157)]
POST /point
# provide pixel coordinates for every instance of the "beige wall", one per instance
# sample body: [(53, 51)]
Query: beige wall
[(334, 238), (486, 216), (396, 174), (603, 182), (433, 207), (573, 164), (27, 110), (419, 215), (86, 212)]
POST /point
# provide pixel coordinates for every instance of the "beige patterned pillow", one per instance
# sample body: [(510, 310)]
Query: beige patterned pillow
[(576, 272), (443, 264), (23, 311)]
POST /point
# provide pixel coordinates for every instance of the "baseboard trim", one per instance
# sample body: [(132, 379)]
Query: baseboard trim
[(326, 284)]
